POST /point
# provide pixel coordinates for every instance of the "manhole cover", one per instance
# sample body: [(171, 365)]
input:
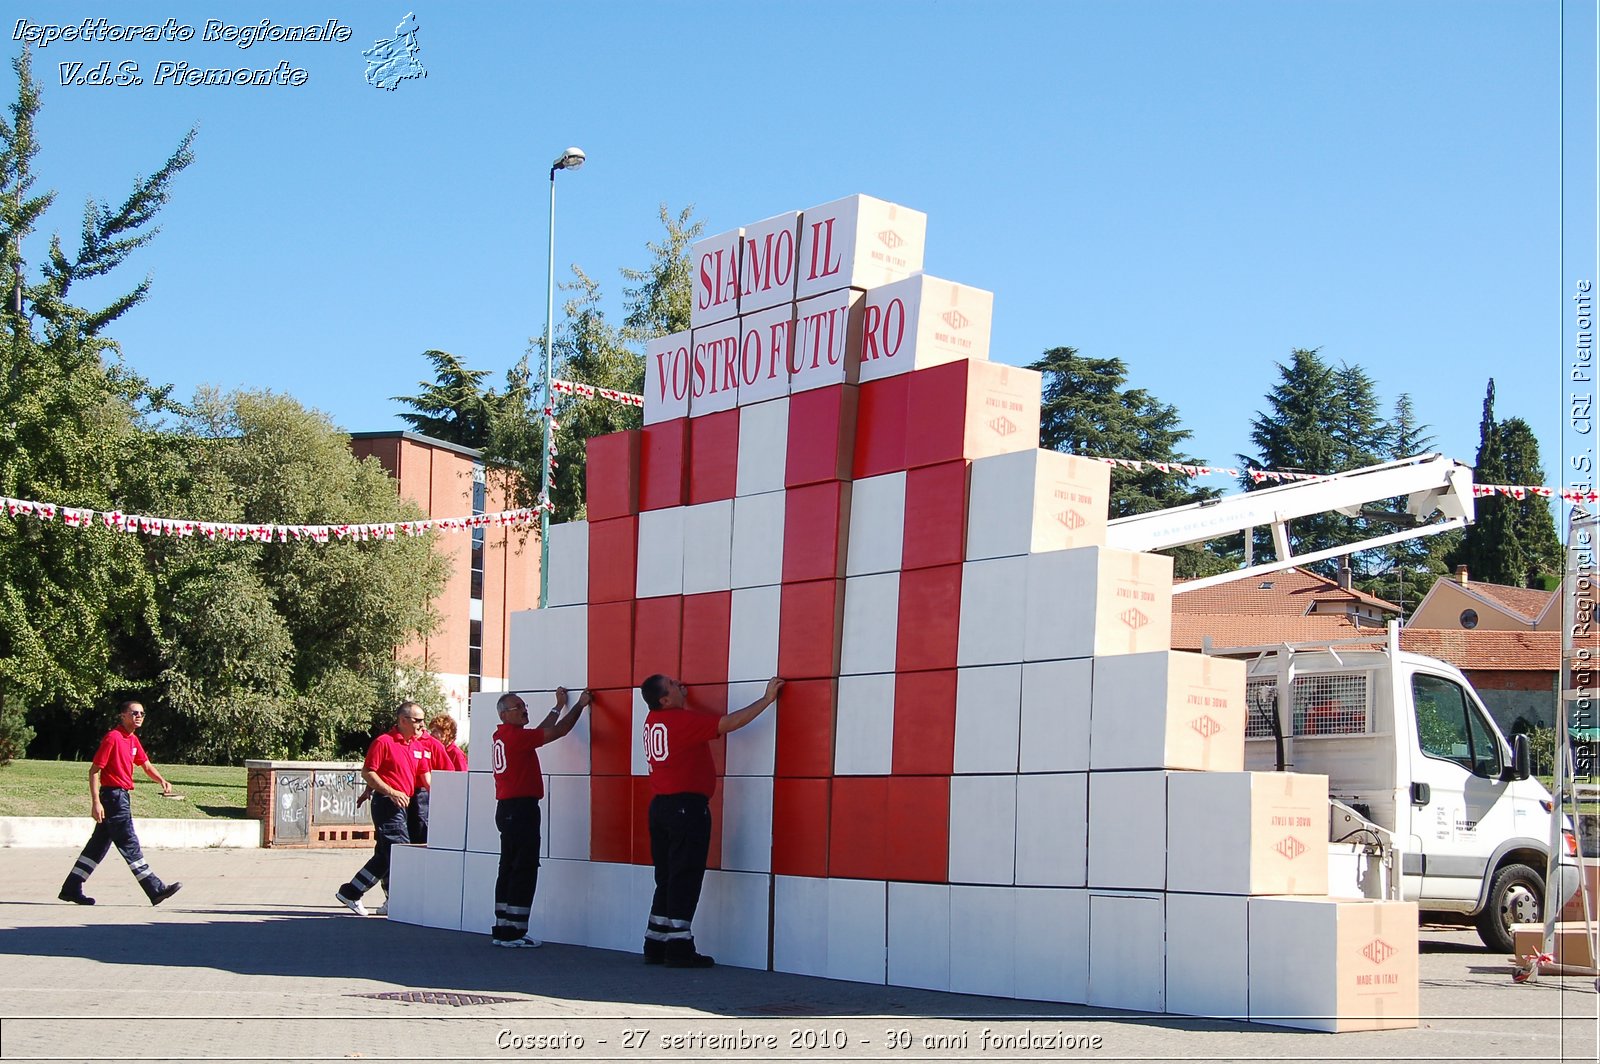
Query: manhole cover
[(436, 997)]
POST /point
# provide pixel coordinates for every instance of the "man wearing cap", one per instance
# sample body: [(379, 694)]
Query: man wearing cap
[(518, 786), (111, 805), (394, 768), (677, 743)]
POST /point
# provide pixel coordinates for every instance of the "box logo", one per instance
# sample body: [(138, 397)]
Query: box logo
[(1377, 951), (1003, 426), (1133, 618), (1289, 848), (889, 238), (955, 319), (1071, 519), (1206, 726)]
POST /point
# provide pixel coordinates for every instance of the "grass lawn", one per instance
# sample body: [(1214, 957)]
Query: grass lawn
[(61, 788)]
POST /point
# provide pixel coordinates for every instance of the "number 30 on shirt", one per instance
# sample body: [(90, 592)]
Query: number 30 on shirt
[(655, 742)]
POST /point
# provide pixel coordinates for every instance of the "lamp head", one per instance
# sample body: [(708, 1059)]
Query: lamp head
[(570, 159)]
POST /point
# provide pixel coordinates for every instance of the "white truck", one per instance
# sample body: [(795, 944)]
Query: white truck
[(1422, 782)]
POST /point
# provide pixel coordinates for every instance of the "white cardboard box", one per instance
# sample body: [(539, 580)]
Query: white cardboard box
[(747, 829), (766, 352), (983, 940), (569, 563), (1208, 955), (864, 726), (752, 750), (753, 616), (757, 550), (1127, 951), (714, 368), (1167, 709), (447, 811), (763, 444), (708, 547), (919, 935), (983, 829), (1038, 500), (668, 367), (871, 624), (714, 273), (485, 719), (482, 834), (1053, 829), (441, 902), (660, 570), (562, 905), (1055, 715), (1247, 832), (877, 525), (478, 874), (731, 922), (1328, 964), (827, 341), (1090, 601), (988, 715), (923, 321), (992, 627), (408, 884), (858, 242), (769, 264), (799, 923), (549, 646), (1052, 952), (567, 829), (1128, 830), (858, 937)]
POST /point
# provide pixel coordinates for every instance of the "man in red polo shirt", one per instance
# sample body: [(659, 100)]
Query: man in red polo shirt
[(677, 743), (111, 805), (518, 786), (394, 768)]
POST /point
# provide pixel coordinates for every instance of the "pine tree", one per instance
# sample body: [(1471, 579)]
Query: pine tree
[(455, 407), (1512, 541)]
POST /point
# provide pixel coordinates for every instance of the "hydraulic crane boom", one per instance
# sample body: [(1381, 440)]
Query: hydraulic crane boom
[(1437, 490)]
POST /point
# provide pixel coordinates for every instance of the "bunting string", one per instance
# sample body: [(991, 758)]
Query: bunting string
[(590, 391)]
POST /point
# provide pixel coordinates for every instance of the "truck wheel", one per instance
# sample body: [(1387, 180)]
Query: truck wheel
[(1516, 896)]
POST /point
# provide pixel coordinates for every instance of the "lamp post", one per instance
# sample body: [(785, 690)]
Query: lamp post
[(570, 159)]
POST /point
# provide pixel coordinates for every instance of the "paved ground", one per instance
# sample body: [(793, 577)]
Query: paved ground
[(252, 961)]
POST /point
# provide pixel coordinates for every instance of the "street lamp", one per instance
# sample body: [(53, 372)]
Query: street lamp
[(570, 159)]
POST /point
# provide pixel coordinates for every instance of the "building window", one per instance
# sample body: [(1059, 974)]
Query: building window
[(480, 499), (1469, 619)]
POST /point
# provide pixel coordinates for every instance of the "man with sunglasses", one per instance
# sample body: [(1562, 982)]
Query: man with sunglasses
[(111, 805), (394, 769)]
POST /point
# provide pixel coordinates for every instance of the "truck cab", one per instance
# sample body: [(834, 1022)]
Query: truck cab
[(1407, 745)]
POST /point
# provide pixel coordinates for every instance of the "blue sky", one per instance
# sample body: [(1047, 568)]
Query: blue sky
[(1195, 188)]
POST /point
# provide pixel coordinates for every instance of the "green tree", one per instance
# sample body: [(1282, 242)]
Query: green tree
[(455, 407), (1404, 571), (1088, 410), (1512, 541)]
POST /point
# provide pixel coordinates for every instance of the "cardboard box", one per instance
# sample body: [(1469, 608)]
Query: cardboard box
[(858, 831), (763, 446), (858, 937), (923, 321), (714, 457), (611, 475), (613, 559), (805, 728), (408, 884), (1326, 964), (1127, 951), (811, 619), (441, 900), (936, 515), (714, 273), (1128, 830), (983, 940), (481, 835), (610, 645), (714, 368), (930, 619), (827, 341), (983, 829), (569, 564), (1053, 829), (708, 547), (1168, 709), (858, 242), (751, 750), (768, 268), (988, 713), (1247, 832), (800, 818), (971, 410), (925, 723), (992, 629), (766, 351), (880, 443), (1208, 955), (731, 922), (919, 935), (478, 874), (877, 525), (1054, 734), (1031, 501), (706, 635), (746, 825), (1090, 601), (664, 464), (753, 626), (668, 371), (612, 738), (569, 755), (864, 728), (1052, 945), (566, 830), (549, 646), (611, 818), (661, 548), (816, 531), (871, 624), (1572, 948), (484, 719), (822, 426), (757, 551), (917, 846), (799, 921), (447, 811)]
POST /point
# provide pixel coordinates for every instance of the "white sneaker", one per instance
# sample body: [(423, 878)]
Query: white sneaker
[(516, 943), (382, 910), (353, 904)]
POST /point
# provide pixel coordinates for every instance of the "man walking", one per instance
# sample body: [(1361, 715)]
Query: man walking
[(111, 805), (394, 768), (518, 786), (677, 744)]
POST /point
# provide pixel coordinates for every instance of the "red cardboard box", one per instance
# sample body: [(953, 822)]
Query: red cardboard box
[(714, 457), (971, 410), (805, 728), (858, 827), (816, 527), (705, 638), (611, 734), (917, 843), (610, 645), (611, 475), (930, 618), (883, 406), (822, 432), (663, 464), (613, 559), (800, 817), (936, 516), (925, 723), (810, 620), (639, 837), (657, 637), (611, 819)]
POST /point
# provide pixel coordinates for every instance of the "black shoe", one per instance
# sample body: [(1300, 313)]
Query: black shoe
[(655, 952), (75, 895), (690, 960), (165, 892)]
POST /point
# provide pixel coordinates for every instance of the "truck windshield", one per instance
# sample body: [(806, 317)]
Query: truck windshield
[(1450, 727)]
